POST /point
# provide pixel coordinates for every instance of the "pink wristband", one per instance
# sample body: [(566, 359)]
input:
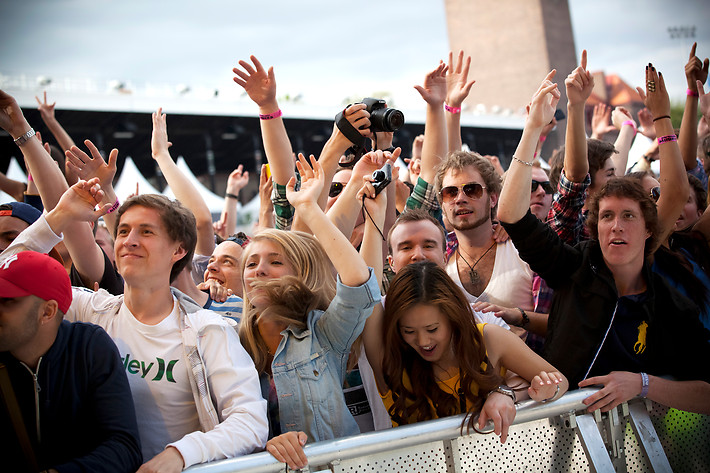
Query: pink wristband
[(113, 208), (691, 93), (667, 139), (630, 123), (452, 109), (542, 138), (29, 177), (271, 116)]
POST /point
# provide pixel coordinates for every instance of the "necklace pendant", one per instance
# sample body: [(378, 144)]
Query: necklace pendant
[(475, 278)]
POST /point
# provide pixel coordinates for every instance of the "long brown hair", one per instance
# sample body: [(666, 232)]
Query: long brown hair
[(427, 283), (292, 297)]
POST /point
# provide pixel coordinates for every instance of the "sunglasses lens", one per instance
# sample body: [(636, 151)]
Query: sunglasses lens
[(473, 190), (449, 193), (545, 186), (335, 189), (656, 193)]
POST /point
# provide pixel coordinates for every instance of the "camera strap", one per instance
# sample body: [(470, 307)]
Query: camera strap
[(354, 153)]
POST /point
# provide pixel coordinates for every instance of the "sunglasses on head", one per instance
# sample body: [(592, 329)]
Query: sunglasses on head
[(473, 190), (656, 193), (545, 186), (335, 189)]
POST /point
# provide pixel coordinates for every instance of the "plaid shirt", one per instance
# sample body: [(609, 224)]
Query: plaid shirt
[(283, 209), (699, 172), (424, 197), (566, 216)]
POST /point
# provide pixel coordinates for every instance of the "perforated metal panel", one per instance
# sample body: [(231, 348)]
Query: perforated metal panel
[(544, 445), (434, 457), (685, 438)]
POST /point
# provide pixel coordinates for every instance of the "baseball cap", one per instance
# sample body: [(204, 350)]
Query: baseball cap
[(22, 211), (37, 274)]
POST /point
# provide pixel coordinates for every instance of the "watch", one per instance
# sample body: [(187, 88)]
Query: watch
[(22, 139), (505, 390)]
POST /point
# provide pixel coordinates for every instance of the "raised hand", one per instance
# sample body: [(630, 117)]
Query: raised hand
[(579, 83), (655, 97), (457, 84), (11, 118), (646, 124), (545, 386), (704, 101), (619, 116), (258, 83), (312, 181), (159, 143), (600, 121), (696, 70), (45, 110), (80, 203), (86, 166), (433, 91), (544, 102), (237, 180)]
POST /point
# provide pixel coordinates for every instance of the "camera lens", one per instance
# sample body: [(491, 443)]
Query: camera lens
[(394, 119)]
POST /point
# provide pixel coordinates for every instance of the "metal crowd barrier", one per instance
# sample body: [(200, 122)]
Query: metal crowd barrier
[(561, 436)]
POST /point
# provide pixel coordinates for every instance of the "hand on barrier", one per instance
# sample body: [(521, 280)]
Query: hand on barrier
[(545, 386), (501, 410), (617, 387), (288, 448)]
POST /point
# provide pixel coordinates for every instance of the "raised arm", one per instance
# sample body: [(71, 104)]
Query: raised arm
[(266, 207), (514, 200), (601, 116), (433, 91), (347, 262), (260, 85), (673, 179), (688, 137), (184, 190), (457, 89), (235, 182), (579, 85), (65, 141), (622, 120)]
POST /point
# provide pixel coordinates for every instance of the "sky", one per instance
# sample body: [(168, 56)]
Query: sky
[(324, 51)]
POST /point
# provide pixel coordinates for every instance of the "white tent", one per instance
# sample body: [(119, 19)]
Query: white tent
[(130, 176), (14, 172), (214, 202)]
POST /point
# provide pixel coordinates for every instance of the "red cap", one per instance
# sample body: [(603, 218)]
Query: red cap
[(37, 274)]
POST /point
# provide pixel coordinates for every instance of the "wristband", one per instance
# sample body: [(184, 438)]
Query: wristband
[(115, 206), (29, 177), (22, 139), (542, 138), (452, 109), (231, 196), (522, 162), (271, 116), (661, 117), (632, 124), (691, 93), (644, 385), (552, 398), (667, 139), (526, 319)]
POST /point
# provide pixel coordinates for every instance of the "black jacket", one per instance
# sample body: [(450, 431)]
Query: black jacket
[(585, 298), (87, 420)]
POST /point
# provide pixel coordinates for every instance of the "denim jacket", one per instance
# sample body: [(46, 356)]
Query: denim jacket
[(309, 364)]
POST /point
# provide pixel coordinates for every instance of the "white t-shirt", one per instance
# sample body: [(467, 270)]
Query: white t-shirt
[(153, 356), (510, 284)]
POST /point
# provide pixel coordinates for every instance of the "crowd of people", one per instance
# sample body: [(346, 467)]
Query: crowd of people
[(143, 336)]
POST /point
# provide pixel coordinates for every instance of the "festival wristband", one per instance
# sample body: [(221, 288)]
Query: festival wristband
[(644, 385), (632, 124), (115, 206), (691, 93), (452, 109), (271, 116), (667, 139), (662, 117)]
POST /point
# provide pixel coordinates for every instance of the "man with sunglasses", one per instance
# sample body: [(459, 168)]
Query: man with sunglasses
[(540, 194)]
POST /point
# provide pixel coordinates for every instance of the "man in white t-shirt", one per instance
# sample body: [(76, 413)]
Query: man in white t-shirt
[(195, 389)]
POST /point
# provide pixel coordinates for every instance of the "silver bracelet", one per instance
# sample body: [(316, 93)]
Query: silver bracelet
[(552, 398), (22, 139), (522, 162)]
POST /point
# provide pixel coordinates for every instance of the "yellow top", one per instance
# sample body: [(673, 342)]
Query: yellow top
[(449, 386)]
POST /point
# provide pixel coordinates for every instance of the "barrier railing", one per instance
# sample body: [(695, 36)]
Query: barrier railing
[(560, 436)]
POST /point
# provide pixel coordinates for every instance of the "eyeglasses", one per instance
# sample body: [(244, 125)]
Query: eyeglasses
[(656, 193), (473, 190), (335, 189), (545, 186)]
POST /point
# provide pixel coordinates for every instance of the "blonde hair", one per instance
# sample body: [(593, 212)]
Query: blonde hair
[(292, 297)]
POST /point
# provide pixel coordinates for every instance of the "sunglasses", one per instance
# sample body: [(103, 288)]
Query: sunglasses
[(545, 186), (472, 190), (656, 193), (335, 189)]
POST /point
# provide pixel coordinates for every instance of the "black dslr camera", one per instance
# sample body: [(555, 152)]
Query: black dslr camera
[(381, 117)]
